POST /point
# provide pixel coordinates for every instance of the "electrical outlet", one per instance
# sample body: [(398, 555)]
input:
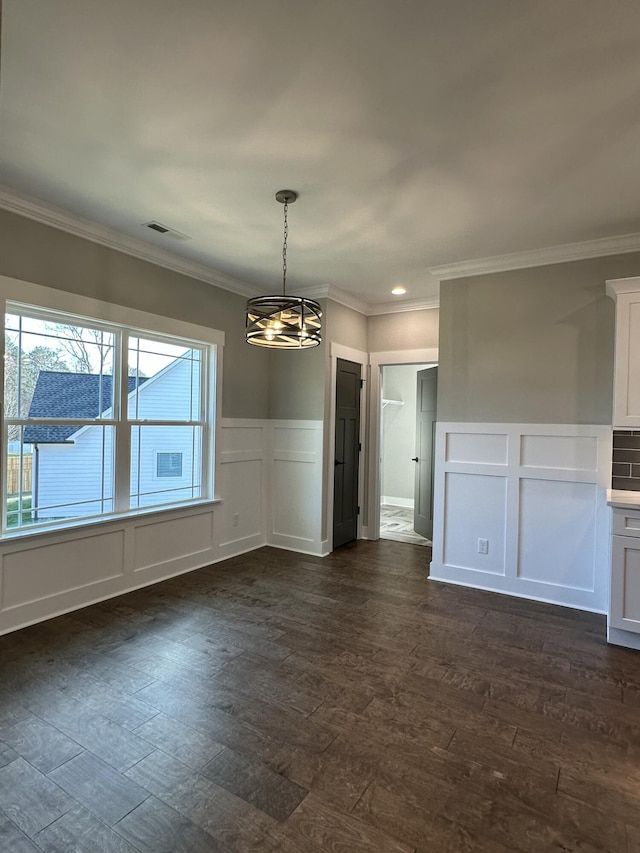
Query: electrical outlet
[(236, 519), (483, 546)]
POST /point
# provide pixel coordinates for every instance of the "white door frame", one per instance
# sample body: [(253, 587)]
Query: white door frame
[(377, 361), (362, 358)]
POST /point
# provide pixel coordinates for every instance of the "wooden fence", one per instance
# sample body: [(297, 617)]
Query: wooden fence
[(13, 474)]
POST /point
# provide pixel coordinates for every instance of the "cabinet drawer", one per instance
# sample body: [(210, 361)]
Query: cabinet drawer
[(626, 522)]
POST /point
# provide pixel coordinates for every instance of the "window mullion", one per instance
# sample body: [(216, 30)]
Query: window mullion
[(123, 433), (208, 402)]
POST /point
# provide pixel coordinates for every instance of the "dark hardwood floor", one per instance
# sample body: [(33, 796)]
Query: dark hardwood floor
[(277, 702)]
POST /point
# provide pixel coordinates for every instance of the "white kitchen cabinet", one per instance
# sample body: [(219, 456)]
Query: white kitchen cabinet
[(626, 392), (623, 622), (624, 608)]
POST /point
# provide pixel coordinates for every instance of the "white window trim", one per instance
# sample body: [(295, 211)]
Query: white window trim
[(81, 307)]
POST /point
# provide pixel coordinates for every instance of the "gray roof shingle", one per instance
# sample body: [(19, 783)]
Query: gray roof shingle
[(68, 395)]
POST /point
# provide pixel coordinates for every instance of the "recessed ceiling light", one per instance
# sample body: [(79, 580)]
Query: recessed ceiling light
[(398, 290)]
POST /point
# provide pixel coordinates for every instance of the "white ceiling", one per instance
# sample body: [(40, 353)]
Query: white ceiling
[(417, 132)]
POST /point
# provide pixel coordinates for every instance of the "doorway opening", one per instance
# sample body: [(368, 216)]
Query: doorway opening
[(407, 430)]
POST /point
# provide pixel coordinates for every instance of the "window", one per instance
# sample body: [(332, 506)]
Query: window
[(86, 405), (169, 465)]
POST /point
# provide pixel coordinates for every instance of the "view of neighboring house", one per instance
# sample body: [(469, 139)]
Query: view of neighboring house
[(73, 466)]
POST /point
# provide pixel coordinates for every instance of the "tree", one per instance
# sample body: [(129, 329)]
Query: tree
[(22, 368), (87, 350)]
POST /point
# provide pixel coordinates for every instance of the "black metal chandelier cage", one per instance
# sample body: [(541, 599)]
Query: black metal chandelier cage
[(281, 321)]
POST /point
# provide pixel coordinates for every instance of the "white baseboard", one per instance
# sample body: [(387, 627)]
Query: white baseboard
[(292, 543), (478, 580), (404, 503)]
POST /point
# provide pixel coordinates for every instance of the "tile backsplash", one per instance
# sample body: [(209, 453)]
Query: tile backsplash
[(625, 471)]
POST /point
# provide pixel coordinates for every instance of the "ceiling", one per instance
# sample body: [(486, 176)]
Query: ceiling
[(418, 133)]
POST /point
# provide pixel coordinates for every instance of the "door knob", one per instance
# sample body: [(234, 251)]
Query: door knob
[(337, 462), (414, 458)]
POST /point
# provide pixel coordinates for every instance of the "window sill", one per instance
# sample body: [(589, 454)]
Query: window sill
[(177, 510)]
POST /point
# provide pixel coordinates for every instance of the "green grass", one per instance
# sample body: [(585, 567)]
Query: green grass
[(12, 511)]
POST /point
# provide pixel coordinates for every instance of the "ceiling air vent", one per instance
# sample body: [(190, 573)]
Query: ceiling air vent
[(159, 228)]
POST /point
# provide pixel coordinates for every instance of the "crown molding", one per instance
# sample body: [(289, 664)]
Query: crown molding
[(55, 217), (408, 305), (330, 291), (623, 244)]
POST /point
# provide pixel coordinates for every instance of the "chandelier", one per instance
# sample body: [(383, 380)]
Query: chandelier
[(281, 321)]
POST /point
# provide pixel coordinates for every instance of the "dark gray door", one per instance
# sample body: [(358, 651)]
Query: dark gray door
[(347, 444), (427, 390)]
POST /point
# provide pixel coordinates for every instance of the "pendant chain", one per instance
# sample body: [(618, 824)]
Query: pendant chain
[(284, 250)]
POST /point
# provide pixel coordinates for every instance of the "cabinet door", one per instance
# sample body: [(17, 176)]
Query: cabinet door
[(624, 606), (626, 405)]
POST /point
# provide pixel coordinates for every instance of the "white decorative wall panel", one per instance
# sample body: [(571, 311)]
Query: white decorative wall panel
[(292, 439), (160, 541), (557, 535), (35, 573), (537, 493), (295, 486), (242, 485), (569, 453), (475, 507), (480, 449), (242, 511), (243, 439)]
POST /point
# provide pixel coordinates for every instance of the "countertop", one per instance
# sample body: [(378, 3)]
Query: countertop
[(623, 499)]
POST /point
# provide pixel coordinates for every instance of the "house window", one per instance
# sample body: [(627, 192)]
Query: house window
[(86, 404), (169, 464)]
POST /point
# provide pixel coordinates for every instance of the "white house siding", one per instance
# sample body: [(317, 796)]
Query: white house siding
[(68, 474), (173, 384), (144, 480), (73, 472)]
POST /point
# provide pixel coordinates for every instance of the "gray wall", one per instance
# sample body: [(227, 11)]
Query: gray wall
[(37, 253), (346, 326), (296, 380), (299, 383), (406, 330), (398, 430), (296, 384), (530, 346)]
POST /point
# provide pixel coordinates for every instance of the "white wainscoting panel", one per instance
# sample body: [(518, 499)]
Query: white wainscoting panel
[(481, 449), (557, 533), (564, 452), (162, 541), (537, 493), (241, 520), (475, 507), (41, 571), (295, 486)]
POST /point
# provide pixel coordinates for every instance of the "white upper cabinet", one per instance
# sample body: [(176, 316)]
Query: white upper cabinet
[(626, 388)]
